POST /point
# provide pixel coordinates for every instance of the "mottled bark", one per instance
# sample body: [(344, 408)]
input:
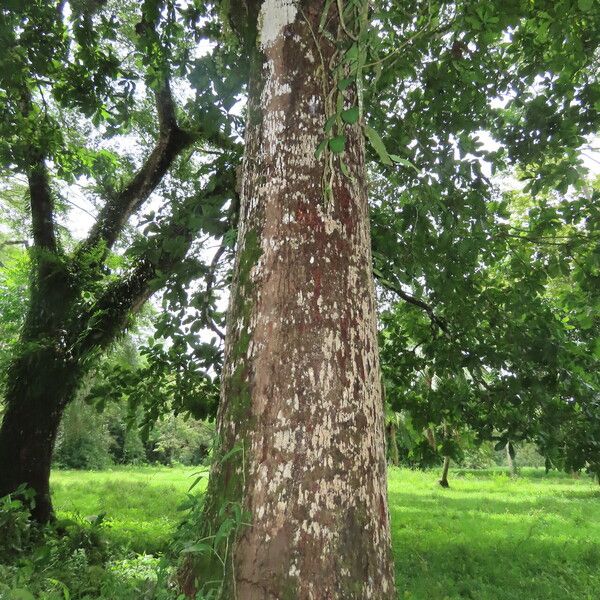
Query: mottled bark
[(39, 386), (301, 417), (444, 479)]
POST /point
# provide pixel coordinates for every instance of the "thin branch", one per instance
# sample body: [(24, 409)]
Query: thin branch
[(572, 235), (210, 282), (410, 40), (569, 240), (591, 158), (74, 204), (213, 327), (440, 322), (15, 243)]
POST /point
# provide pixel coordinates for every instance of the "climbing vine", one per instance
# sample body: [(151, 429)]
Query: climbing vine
[(343, 76)]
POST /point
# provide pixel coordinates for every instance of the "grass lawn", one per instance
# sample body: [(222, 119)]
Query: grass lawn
[(489, 537), (486, 538), (141, 503)]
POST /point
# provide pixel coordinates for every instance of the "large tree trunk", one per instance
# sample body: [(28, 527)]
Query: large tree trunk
[(301, 417), (37, 392), (40, 382)]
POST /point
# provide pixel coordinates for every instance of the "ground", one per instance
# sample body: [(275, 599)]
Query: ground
[(141, 503), (488, 537)]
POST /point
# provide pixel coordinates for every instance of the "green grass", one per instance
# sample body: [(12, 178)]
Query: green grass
[(488, 537), (140, 503), (494, 538)]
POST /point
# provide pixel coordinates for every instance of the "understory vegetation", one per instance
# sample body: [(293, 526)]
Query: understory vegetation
[(488, 537), (91, 440)]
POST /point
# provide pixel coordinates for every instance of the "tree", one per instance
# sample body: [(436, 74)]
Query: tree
[(300, 422), (435, 228), (300, 470), (521, 364), (68, 70)]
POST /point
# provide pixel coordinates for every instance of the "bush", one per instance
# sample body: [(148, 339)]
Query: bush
[(15, 523), (71, 559)]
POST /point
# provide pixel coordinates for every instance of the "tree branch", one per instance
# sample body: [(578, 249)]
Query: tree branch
[(40, 192), (210, 282), (392, 287), (127, 295), (15, 243), (171, 141), (42, 206)]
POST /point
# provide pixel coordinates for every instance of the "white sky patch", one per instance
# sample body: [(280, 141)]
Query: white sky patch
[(274, 16)]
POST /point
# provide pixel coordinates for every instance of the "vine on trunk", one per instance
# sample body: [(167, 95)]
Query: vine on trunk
[(343, 83)]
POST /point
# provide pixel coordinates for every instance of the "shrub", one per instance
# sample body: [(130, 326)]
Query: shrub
[(15, 523)]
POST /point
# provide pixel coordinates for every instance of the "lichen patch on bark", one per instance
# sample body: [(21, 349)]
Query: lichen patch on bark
[(274, 16)]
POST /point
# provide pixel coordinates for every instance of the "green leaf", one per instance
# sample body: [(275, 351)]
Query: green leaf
[(403, 161), (197, 481), (224, 530), (378, 145), (352, 53), (329, 123), (63, 587), (343, 84), (337, 144), (201, 548), (230, 453), (350, 116), (21, 594), (585, 5), (585, 321)]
